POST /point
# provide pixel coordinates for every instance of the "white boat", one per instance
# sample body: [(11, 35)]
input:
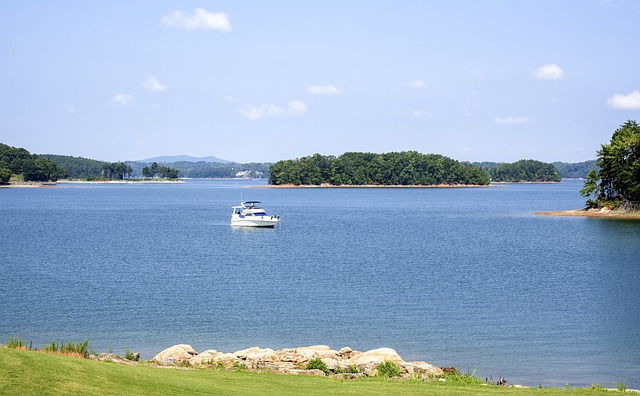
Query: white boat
[(251, 214)]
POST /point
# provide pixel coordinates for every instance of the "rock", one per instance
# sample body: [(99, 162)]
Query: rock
[(176, 353), (332, 364), (255, 354), (450, 370), (426, 368), (302, 355), (420, 368), (317, 351), (345, 352), (293, 360), (368, 369), (208, 356), (375, 356)]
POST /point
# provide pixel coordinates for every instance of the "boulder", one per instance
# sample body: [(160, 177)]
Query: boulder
[(345, 352), (210, 355), (316, 351), (255, 354), (302, 355), (420, 368), (426, 368), (375, 356), (176, 353), (332, 364)]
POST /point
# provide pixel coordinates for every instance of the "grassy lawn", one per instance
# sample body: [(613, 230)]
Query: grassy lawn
[(36, 373)]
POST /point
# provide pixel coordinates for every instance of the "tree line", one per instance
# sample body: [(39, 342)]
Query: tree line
[(155, 171), (524, 171), (209, 170), (90, 169), (394, 168), (616, 181), (26, 166)]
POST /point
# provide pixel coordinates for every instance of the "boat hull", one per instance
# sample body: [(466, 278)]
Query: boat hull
[(268, 222)]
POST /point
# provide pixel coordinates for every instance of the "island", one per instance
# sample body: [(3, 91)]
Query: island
[(408, 168)]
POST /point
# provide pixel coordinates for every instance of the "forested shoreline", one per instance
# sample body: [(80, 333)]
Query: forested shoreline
[(18, 162), (394, 168), (351, 169), (524, 171)]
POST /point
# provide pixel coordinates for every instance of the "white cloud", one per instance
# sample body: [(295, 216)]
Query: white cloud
[(228, 99), (512, 120), (69, 109), (549, 72), (630, 101), (415, 84), (201, 19), (323, 90), (296, 107), (152, 84), (420, 114), (121, 99), (293, 108)]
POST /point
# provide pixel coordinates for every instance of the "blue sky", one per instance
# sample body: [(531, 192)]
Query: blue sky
[(264, 81)]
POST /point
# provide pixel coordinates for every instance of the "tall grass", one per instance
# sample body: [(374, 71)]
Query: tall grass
[(17, 343), (51, 348), (71, 348)]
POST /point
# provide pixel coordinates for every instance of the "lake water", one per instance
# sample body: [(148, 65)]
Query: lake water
[(464, 277)]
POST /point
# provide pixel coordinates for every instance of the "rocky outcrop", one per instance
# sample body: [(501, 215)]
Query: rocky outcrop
[(175, 354), (345, 362)]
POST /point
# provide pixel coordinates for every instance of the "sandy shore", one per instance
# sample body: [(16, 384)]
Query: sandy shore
[(600, 213), (57, 184), (373, 186)]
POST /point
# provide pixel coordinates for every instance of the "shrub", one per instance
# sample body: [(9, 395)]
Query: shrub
[(317, 364), (353, 369), (129, 355), (389, 369)]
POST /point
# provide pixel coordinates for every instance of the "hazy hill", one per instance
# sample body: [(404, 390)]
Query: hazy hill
[(184, 158), (577, 170)]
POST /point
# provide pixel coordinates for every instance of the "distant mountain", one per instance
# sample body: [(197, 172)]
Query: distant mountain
[(184, 158)]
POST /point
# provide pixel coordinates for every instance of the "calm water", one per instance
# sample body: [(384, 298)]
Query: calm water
[(463, 277)]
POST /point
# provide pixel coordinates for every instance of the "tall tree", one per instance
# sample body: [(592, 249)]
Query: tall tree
[(617, 182)]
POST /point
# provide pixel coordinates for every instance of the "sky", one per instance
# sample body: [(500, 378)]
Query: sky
[(492, 80)]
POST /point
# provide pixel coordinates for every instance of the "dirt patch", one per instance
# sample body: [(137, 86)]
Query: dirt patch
[(600, 213)]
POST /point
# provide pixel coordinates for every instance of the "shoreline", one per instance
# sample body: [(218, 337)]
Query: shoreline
[(603, 213), (56, 184), (373, 186)]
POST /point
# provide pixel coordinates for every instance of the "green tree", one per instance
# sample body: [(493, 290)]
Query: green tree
[(146, 172), (5, 175), (405, 168), (617, 182)]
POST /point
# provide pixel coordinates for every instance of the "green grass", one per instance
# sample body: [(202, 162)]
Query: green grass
[(35, 373)]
